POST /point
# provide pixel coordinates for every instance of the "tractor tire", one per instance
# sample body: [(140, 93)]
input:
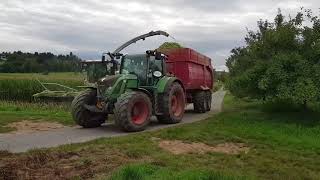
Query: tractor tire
[(173, 105), (208, 100), (133, 111), (83, 116), (199, 102)]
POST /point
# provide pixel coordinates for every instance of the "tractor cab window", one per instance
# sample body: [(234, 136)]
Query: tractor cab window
[(94, 71), (135, 65)]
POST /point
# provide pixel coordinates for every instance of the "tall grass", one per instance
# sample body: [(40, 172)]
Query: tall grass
[(18, 86)]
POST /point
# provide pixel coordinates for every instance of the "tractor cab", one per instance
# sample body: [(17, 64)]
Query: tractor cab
[(147, 67)]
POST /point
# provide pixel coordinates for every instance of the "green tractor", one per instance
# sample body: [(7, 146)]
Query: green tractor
[(132, 87)]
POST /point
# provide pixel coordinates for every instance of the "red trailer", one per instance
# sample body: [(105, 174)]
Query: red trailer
[(196, 73)]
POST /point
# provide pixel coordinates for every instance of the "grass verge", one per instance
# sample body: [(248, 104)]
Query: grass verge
[(19, 111)]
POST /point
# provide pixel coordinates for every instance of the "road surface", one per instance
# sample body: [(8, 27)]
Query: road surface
[(68, 135)]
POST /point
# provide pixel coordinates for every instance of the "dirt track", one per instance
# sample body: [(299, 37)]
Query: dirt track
[(67, 135)]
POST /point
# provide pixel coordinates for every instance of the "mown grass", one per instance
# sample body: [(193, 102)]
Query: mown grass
[(21, 86), (19, 111), (283, 145)]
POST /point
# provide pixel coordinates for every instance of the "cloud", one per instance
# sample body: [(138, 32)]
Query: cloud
[(90, 27)]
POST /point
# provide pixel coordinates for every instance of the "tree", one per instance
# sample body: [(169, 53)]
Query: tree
[(280, 61), (39, 62)]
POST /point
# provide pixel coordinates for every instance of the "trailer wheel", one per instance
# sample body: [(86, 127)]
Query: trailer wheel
[(133, 111), (199, 102), (208, 100), (173, 104), (81, 115)]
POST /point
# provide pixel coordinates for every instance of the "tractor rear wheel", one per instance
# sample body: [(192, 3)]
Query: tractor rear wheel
[(83, 116), (173, 104), (133, 111), (199, 102)]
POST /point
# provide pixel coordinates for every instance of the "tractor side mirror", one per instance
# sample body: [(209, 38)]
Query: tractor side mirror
[(158, 56), (103, 59)]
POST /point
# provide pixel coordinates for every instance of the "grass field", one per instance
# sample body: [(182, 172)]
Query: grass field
[(21, 86), (283, 145)]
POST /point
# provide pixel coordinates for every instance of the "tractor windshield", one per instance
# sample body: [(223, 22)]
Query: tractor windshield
[(135, 64)]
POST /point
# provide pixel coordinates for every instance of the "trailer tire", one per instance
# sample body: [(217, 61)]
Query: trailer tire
[(133, 111), (208, 100), (173, 105), (199, 102), (81, 115)]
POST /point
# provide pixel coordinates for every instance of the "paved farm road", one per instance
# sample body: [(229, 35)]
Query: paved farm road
[(25, 142)]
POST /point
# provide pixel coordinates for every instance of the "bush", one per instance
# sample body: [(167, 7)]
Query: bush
[(280, 62)]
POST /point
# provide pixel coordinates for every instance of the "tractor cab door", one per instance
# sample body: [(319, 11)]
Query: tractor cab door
[(155, 71)]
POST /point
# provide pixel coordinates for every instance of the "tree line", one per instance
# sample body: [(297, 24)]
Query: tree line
[(24, 62), (280, 61)]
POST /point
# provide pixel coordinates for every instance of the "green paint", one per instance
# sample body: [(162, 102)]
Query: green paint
[(132, 83), (161, 85), (124, 82)]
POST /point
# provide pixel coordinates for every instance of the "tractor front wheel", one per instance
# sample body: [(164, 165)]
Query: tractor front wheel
[(83, 116), (173, 104), (133, 111)]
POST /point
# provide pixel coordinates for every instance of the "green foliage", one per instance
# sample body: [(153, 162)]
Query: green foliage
[(221, 76), (280, 61), (217, 85), (39, 62), (169, 45)]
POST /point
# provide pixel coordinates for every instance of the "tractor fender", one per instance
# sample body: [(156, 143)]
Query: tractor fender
[(165, 82), (144, 91)]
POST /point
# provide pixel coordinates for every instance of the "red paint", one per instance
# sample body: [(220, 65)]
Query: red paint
[(139, 112), (192, 68), (177, 106)]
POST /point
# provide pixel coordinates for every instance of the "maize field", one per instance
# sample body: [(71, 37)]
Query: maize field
[(21, 87)]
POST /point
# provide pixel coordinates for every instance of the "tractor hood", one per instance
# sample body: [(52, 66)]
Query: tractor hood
[(109, 80), (116, 84)]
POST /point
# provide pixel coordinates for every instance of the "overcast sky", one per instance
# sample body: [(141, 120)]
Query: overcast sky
[(87, 28)]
